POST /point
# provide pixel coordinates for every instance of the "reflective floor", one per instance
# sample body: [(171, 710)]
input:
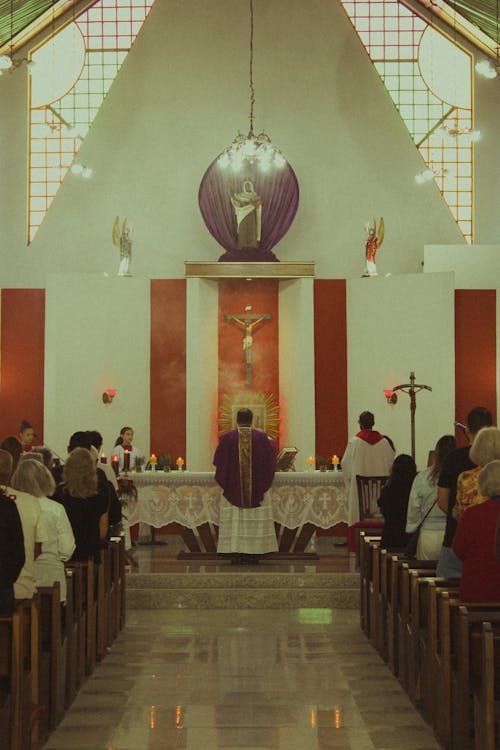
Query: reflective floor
[(302, 679)]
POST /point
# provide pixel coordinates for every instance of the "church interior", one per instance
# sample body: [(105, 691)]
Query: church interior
[(114, 115)]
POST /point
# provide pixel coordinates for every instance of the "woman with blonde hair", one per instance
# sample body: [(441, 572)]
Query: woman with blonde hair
[(484, 449), (85, 503), (33, 477)]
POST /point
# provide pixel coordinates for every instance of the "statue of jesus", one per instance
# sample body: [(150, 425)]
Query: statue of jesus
[(248, 321)]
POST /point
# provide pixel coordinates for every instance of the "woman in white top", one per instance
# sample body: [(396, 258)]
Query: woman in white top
[(33, 477), (124, 443), (422, 500)]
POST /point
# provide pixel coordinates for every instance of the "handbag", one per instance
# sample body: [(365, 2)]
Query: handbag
[(412, 544)]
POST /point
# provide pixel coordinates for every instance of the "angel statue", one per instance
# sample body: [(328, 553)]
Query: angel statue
[(373, 243), (122, 240)]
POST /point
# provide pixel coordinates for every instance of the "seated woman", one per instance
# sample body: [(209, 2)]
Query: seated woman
[(12, 555), (393, 502), (422, 504), (86, 504), (124, 443), (474, 541), (33, 477)]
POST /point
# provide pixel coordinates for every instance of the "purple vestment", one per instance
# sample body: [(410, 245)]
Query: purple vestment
[(245, 462)]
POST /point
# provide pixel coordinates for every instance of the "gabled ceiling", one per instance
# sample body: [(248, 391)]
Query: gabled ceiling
[(21, 20)]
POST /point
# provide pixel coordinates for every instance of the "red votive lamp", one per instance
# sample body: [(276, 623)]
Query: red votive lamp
[(104, 460)]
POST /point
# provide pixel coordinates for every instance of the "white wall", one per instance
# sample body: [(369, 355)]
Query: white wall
[(396, 325), (88, 351), (296, 363), (202, 333), (180, 97), (476, 267)]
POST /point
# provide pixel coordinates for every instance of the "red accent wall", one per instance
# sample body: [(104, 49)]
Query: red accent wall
[(168, 367), (22, 360), (262, 295), (330, 363), (475, 351)]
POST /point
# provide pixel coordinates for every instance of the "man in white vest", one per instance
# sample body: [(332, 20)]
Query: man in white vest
[(369, 454)]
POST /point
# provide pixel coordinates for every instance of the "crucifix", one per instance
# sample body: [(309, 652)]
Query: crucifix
[(412, 389), (249, 322)]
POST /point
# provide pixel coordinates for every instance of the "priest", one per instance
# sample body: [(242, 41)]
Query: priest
[(245, 462)]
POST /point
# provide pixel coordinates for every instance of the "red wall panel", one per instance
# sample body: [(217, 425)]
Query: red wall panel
[(330, 363), (22, 360), (168, 367), (475, 351), (262, 295)]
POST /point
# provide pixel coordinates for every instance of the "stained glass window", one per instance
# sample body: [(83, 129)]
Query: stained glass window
[(73, 73), (429, 78)]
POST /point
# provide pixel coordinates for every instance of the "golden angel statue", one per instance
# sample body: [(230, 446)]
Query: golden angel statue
[(122, 240), (373, 243)]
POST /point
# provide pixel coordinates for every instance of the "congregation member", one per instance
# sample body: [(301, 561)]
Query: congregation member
[(33, 529), (33, 477), (96, 443), (423, 509), (457, 461), (369, 454), (18, 444), (245, 464), (123, 444), (474, 541), (485, 448), (86, 504), (12, 555), (393, 502)]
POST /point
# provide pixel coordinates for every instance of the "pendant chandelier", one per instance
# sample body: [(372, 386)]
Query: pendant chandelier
[(251, 148)]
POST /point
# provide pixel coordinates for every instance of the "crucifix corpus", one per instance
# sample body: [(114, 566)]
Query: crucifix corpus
[(412, 389), (248, 322)]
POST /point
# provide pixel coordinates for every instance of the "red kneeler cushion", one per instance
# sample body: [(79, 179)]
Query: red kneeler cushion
[(368, 524)]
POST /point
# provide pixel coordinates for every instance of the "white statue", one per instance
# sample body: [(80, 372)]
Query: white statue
[(122, 240)]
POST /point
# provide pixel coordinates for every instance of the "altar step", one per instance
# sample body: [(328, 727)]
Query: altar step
[(242, 590)]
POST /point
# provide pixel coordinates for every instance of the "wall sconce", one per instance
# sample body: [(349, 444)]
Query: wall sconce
[(392, 398), (108, 396)]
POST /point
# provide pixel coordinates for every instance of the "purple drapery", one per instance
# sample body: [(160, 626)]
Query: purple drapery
[(279, 192)]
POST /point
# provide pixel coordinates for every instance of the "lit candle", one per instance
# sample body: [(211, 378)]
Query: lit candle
[(311, 461), (115, 464), (180, 463), (152, 462), (104, 460), (126, 460), (335, 461)]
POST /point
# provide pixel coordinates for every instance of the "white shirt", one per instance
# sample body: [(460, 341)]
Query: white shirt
[(58, 548), (368, 461), (33, 531)]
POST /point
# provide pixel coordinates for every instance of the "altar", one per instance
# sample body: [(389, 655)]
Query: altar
[(301, 501)]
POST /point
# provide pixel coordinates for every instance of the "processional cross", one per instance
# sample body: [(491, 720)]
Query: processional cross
[(412, 389), (249, 322)]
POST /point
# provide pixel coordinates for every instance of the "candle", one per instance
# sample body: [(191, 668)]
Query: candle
[(152, 462), (115, 464), (126, 460), (180, 463), (335, 461), (104, 460), (312, 462)]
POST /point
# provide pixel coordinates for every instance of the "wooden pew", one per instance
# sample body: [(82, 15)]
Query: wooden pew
[(486, 687), (419, 672), (51, 670), (466, 633), (365, 573), (422, 568), (86, 635), (11, 683)]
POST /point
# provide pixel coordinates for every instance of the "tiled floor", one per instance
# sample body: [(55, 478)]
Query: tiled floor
[(302, 679)]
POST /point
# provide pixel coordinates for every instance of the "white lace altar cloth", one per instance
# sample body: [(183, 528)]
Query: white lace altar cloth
[(192, 498)]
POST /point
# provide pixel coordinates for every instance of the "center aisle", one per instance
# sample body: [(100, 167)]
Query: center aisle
[(302, 679)]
